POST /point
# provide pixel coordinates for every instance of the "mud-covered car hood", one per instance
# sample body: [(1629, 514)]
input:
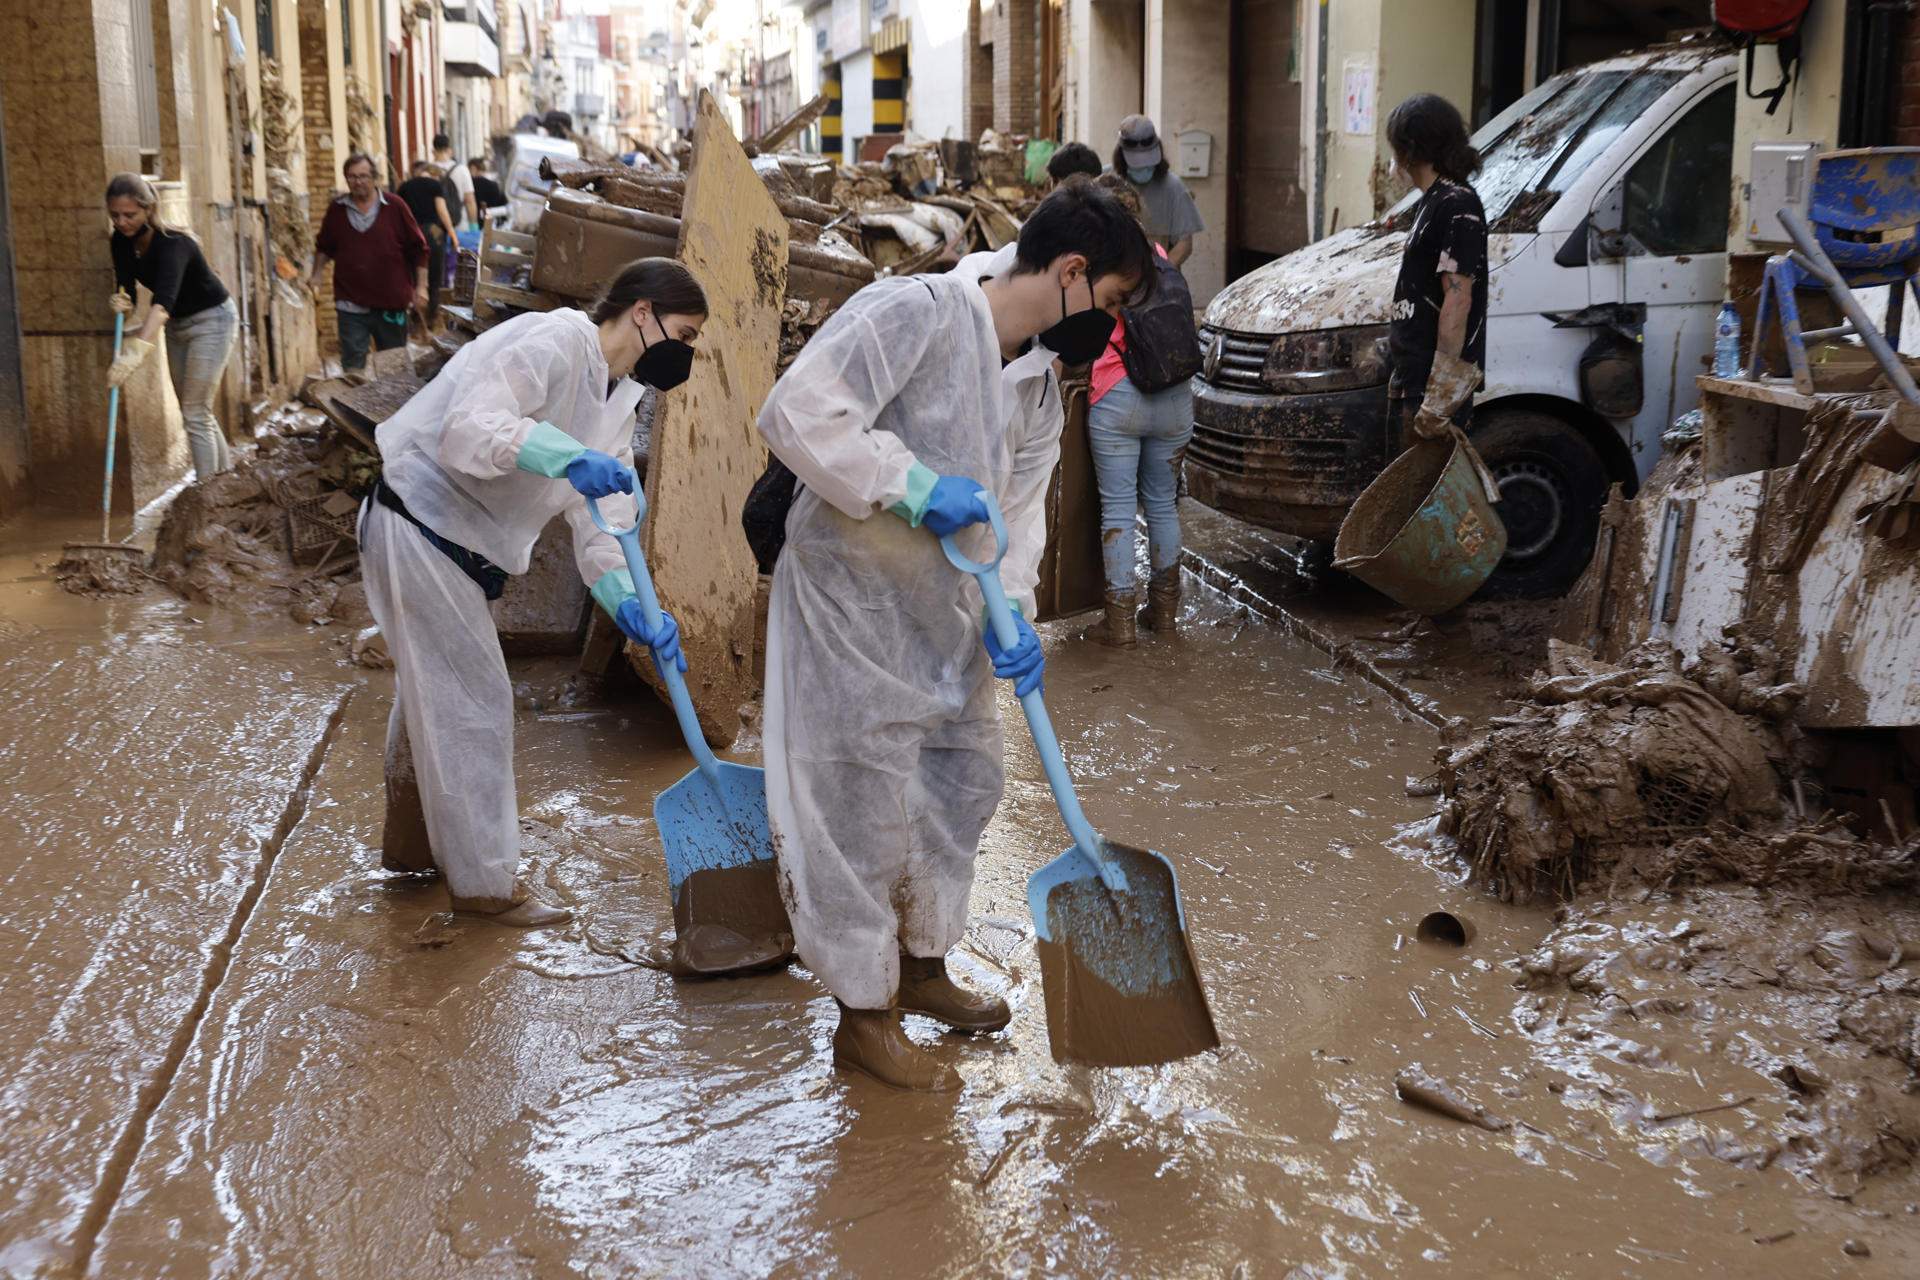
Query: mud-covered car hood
[(1344, 279)]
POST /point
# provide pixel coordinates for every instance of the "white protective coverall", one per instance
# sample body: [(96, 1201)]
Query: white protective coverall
[(450, 454), (883, 745)]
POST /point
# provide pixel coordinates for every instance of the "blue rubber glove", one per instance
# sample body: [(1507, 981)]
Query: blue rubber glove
[(953, 505), (664, 642), (598, 475), (1023, 664)]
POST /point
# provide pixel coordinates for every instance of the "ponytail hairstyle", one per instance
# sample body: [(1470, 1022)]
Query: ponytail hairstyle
[(1427, 129), (669, 286), (140, 191)]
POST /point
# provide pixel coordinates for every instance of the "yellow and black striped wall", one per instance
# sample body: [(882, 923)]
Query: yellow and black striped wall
[(830, 122), (890, 92)]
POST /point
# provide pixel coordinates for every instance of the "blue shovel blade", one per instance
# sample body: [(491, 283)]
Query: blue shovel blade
[(1122, 988), (721, 872)]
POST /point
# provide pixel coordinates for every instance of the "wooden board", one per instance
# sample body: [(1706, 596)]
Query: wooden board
[(706, 451), (1073, 576)]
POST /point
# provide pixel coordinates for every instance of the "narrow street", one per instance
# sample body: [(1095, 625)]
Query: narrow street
[(242, 1049)]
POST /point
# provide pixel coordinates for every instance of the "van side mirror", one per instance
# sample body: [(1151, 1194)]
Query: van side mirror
[(1607, 227)]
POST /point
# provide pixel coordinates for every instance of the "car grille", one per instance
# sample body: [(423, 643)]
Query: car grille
[(1242, 357), (1304, 460)]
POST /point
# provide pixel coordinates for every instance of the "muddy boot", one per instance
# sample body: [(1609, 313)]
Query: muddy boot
[(1116, 627), (872, 1042), (521, 911), (1162, 614), (926, 988)]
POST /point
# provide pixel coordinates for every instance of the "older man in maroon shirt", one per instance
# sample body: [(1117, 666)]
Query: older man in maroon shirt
[(381, 259)]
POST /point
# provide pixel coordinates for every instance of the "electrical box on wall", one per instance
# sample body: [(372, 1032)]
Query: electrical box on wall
[(1193, 153), (1781, 177)]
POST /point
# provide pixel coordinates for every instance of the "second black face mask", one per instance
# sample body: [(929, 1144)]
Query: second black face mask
[(1081, 337), (665, 364)]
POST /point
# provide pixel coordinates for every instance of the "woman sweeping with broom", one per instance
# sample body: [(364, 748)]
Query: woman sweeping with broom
[(189, 305), (525, 423)]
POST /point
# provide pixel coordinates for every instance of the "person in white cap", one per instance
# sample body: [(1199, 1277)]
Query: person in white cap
[(1167, 208)]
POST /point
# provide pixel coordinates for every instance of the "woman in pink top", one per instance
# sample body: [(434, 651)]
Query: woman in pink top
[(1138, 439)]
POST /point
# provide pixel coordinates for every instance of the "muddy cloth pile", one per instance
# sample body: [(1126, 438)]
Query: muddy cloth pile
[(799, 321), (1606, 767)]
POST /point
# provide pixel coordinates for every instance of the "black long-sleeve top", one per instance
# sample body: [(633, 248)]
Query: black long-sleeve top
[(174, 269)]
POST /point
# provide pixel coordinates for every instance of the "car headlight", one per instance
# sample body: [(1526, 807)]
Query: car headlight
[(1328, 360)]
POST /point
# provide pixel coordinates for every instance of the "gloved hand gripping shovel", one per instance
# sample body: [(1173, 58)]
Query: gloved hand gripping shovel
[(727, 912), (1122, 988)]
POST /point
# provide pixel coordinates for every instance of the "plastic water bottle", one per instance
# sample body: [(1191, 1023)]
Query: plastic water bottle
[(1726, 342)]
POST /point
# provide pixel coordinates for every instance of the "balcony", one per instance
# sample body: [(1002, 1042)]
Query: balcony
[(589, 105), (469, 49)]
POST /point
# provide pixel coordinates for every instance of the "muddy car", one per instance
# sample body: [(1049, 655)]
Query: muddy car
[(1607, 192)]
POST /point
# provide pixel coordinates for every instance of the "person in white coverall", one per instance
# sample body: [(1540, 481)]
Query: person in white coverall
[(526, 422), (883, 745)]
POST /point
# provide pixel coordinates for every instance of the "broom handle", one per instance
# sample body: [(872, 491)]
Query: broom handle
[(113, 424)]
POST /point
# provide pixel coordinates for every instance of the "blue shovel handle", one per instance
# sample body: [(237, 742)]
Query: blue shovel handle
[(629, 540), (1000, 617)]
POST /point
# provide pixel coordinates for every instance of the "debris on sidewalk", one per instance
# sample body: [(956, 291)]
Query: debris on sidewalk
[(1637, 767), (276, 525)]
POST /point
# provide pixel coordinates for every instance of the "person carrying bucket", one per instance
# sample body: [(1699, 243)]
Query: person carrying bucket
[(1426, 532), (883, 745), (524, 423), (1438, 337)]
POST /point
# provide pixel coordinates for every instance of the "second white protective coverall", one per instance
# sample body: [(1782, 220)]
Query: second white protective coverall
[(883, 745), (451, 453)]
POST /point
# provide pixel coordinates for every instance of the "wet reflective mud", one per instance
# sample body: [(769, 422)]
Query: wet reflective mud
[(235, 1052), (729, 920)]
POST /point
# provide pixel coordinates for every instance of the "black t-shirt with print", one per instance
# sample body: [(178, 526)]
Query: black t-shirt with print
[(1449, 236)]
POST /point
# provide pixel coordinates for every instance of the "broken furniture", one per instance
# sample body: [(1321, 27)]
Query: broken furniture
[(1863, 212)]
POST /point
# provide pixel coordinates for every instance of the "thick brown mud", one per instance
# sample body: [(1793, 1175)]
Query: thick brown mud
[(730, 920), (226, 1063)]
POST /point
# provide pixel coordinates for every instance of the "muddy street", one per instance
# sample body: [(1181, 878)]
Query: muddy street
[(242, 1049)]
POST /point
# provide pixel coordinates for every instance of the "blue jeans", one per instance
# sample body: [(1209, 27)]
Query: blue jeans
[(360, 329), (1138, 439), (197, 350)]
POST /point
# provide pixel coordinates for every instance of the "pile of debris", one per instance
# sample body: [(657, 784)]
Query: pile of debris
[(287, 202), (1651, 772), (279, 528)]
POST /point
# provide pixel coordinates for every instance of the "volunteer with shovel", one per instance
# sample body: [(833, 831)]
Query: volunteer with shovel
[(528, 421), (1438, 338), (883, 745)]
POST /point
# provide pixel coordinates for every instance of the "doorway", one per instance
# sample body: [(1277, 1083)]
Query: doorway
[(1266, 203)]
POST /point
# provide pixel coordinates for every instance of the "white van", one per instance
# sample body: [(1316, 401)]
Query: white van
[(1607, 191), (520, 175)]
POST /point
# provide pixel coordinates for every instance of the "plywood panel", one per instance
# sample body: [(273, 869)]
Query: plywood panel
[(706, 451)]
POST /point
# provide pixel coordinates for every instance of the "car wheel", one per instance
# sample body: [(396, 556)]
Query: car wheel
[(1552, 486)]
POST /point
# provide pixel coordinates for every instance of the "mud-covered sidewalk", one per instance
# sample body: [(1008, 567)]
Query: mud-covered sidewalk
[(238, 1048)]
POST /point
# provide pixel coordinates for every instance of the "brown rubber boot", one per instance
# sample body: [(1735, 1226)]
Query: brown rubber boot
[(926, 988), (872, 1042), (1162, 614), (521, 911), (1116, 627)]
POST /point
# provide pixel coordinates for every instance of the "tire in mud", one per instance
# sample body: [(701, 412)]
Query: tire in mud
[(1553, 485)]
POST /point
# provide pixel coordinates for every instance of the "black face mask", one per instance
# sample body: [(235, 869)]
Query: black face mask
[(665, 364), (1081, 337)]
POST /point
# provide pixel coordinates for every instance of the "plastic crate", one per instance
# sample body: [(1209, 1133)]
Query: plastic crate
[(315, 532), (466, 274)]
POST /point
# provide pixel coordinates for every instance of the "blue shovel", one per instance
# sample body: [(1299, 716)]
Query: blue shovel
[(1122, 988), (727, 912)]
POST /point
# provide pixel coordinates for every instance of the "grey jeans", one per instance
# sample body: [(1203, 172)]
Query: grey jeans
[(197, 350)]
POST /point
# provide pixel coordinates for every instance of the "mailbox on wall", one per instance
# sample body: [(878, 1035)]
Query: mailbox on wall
[(1193, 153)]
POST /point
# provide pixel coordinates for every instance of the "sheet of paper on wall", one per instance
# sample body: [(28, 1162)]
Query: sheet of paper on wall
[(1358, 86)]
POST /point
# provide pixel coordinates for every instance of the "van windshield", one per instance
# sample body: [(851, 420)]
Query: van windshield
[(1539, 146)]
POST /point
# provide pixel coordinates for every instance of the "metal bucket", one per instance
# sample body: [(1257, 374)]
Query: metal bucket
[(1424, 532)]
